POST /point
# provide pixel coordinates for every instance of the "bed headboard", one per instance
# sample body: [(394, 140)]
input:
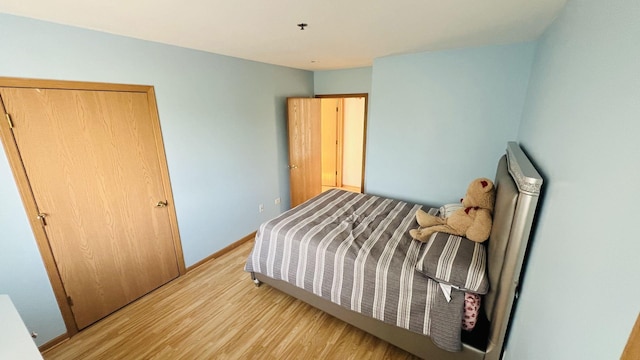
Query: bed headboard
[(518, 186)]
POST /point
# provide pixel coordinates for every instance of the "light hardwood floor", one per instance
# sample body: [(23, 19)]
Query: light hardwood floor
[(215, 312)]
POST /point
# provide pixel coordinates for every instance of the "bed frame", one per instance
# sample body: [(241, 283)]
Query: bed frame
[(518, 186)]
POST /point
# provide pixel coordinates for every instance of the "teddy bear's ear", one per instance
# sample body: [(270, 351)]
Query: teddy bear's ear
[(486, 184)]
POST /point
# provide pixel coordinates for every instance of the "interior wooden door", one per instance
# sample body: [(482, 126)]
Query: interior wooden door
[(304, 148), (92, 164), (632, 349)]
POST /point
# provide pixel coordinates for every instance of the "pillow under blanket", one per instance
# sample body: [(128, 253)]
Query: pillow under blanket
[(471, 308), (456, 261)]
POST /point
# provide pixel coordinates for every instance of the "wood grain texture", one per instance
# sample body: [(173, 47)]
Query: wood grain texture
[(304, 127), (164, 175), (75, 85), (223, 251), (92, 163), (215, 312), (31, 208), (53, 342), (26, 193), (632, 349)]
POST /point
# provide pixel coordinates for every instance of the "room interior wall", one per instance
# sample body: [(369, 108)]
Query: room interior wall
[(438, 120), (433, 110), (22, 273), (580, 124), (343, 81), (223, 121)]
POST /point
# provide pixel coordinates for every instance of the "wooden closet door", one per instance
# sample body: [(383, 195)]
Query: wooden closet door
[(305, 164), (92, 164)]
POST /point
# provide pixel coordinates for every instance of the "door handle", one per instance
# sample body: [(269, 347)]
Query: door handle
[(162, 204), (41, 217), (293, 166)]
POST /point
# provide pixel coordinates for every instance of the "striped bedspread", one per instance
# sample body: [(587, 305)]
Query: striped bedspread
[(355, 250)]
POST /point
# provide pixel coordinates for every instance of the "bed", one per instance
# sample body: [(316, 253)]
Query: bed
[(351, 256)]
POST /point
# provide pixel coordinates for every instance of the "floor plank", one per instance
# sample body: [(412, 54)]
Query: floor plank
[(215, 312)]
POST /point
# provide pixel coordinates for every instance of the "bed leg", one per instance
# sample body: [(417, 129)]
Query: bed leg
[(255, 281)]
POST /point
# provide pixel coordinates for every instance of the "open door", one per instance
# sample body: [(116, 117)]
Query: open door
[(305, 169), (323, 157), (349, 112)]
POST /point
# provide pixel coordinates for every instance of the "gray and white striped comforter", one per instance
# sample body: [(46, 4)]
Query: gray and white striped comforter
[(355, 250)]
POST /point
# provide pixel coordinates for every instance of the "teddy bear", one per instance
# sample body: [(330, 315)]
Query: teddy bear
[(472, 221)]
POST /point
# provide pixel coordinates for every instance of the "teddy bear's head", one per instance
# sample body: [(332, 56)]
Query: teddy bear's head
[(481, 193)]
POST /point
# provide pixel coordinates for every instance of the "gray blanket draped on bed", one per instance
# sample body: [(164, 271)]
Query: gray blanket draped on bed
[(354, 249)]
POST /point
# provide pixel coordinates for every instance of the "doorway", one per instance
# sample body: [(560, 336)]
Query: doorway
[(341, 163), (343, 120)]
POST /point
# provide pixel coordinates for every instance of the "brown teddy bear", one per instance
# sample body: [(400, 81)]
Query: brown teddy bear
[(473, 221)]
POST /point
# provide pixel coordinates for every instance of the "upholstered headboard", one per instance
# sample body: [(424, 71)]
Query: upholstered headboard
[(517, 190)]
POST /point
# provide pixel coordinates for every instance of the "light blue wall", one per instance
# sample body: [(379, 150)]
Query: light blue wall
[(345, 81), (440, 119), (224, 126), (22, 273), (581, 124)]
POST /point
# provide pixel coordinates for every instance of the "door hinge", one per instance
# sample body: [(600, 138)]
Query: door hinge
[(69, 301), (9, 120)]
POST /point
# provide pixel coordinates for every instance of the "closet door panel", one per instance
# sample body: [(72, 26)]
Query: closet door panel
[(92, 163)]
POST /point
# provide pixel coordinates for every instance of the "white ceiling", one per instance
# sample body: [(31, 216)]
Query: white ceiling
[(340, 34)]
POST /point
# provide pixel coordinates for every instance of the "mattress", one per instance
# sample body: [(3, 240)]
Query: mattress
[(355, 250)]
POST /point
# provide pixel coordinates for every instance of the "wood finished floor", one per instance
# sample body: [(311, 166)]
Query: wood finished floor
[(215, 312)]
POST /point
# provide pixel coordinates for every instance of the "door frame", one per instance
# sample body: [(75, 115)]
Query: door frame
[(29, 201), (339, 145), (364, 129)]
